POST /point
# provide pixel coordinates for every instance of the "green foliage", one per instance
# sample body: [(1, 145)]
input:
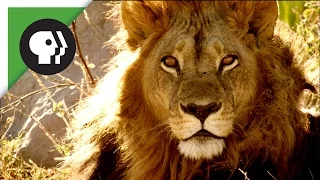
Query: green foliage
[(58, 108), (290, 10), (309, 27)]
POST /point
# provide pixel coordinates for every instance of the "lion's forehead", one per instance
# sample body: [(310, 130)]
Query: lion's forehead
[(203, 45), (215, 37), (213, 44)]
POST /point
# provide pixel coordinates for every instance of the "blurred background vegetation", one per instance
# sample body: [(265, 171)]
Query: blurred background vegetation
[(290, 11), (303, 17)]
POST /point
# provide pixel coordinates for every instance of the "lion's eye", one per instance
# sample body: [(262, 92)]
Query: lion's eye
[(170, 61), (170, 64), (229, 62)]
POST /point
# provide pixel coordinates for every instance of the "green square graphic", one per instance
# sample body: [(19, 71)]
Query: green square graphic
[(19, 19)]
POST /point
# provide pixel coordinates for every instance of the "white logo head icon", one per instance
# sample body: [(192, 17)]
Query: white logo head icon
[(62, 49), (44, 45)]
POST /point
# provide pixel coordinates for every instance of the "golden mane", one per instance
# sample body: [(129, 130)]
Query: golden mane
[(117, 116)]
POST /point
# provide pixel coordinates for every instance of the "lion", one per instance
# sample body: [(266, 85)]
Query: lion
[(199, 90)]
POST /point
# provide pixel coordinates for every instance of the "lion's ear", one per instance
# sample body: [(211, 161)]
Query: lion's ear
[(140, 20), (252, 17), (264, 18)]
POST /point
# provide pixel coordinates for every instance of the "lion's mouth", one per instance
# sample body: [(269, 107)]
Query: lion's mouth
[(204, 133)]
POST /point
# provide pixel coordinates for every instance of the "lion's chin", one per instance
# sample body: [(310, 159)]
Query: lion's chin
[(201, 147)]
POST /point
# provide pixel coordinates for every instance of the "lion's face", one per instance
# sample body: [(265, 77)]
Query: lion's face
[(201, 80)]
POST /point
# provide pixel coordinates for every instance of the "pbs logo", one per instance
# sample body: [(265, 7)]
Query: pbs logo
[(44, 45), (47, 46)]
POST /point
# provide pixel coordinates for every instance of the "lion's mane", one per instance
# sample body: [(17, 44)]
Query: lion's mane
[(116, 120)]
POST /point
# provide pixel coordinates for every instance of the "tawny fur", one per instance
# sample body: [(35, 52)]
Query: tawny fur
[(120, 114)]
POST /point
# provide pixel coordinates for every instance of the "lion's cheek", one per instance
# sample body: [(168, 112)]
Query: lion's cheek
[(159, 105), (243, 103), (157, 93), (222, 127), (244, 94)]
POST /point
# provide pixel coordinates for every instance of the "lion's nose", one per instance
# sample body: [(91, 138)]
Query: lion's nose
[(201, 112)]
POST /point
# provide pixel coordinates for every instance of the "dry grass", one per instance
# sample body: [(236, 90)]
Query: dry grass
[(13, 167)]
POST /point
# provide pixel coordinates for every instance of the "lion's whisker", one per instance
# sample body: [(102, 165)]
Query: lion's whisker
[(153, 128), (164, 129)]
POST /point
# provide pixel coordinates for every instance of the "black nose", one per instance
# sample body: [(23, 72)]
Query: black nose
[(201, 112)]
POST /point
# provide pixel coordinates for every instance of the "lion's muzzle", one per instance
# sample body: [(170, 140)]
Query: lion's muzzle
[(201, 112), (202, 128)]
